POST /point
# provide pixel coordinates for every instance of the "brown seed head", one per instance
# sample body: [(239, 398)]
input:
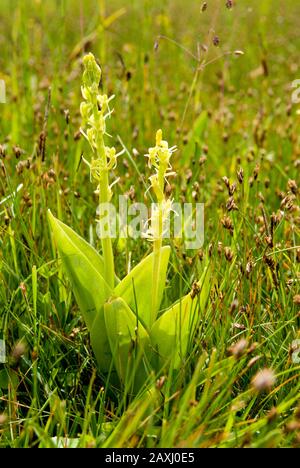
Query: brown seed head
[(228, 254), (296, 300), (216, 41), (3, 419), (264, 380), (292, 186), (240, 175), (238, 349)]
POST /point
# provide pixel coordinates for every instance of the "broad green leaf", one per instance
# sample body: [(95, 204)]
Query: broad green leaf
[(83, 267), (129, 342), (84, 246), (136, 287), (100, 343), (173, 331)]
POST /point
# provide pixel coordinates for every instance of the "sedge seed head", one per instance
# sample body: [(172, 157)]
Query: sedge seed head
[(264, 380)]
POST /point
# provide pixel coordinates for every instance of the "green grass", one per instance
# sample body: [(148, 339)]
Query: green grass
[(237, 112)]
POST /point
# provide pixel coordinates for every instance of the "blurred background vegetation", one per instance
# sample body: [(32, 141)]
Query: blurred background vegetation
[(178, 66)]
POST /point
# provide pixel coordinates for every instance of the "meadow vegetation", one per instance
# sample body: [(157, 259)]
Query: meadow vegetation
[(217, 77)]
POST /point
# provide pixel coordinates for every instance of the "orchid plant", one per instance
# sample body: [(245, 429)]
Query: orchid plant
[(130, 335)]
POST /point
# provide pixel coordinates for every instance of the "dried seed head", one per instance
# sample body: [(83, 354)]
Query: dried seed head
[(195, 195), (238, 326), (3, 419), (292, 426), (51, 173), (77, 135), (18, 151), (231, 205), (2, 151), (202, 160), (189, 175), (233, 307), (196, 289), (296, 300), (269, 241), (160, 382), (18, 351), (201, 255), (23, 288), (256, 171), (253, 361), (238, 349), (240, 175), (228, 254), (20, 167), (227, 223), (216, 41), (204, 7), (67, 116), (275, 220), (220, 248), (75, 332), (264, 380), (249, 268), (288, 202), (226, 181), (270, 262), (232, 189), (292, 186)]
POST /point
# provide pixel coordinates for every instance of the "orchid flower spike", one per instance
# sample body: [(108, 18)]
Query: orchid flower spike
[(95, 110)]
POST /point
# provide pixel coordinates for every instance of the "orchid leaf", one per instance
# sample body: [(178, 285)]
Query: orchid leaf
[(83, 245), (129, 341), (100, 343), (83, 267), (136, 287), (173, 332)]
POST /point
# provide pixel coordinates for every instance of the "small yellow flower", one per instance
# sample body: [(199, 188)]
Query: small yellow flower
[(161, 153)]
